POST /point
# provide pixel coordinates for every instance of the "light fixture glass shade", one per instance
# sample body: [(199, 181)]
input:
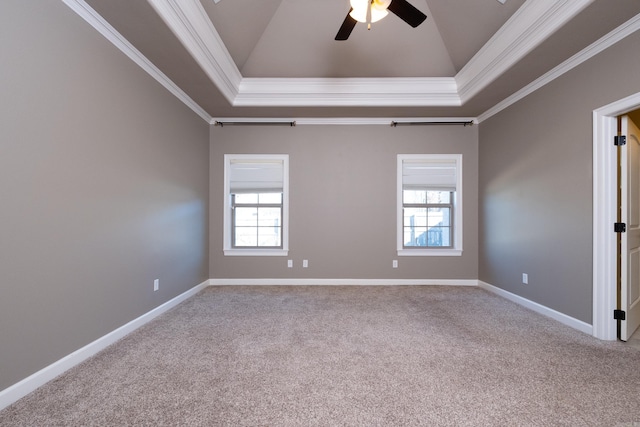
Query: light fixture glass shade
[(360, 9), (378, 14), (360, 14)]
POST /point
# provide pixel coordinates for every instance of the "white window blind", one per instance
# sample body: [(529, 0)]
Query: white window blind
[(259, 176), (436, 174)]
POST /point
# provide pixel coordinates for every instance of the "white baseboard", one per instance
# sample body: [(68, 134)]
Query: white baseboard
[(342, 282), (539, 308), (32, 382)]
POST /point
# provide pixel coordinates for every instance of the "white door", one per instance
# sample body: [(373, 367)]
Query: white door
[(630, 240)]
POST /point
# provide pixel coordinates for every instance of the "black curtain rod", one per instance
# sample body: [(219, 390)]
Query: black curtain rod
[(222, 124), (467, 123)]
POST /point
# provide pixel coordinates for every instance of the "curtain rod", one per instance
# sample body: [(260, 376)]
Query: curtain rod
[(222, 124), (465, 123)]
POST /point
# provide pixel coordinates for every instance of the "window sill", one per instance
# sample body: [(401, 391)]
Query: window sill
[(256, 252), (430, 252)]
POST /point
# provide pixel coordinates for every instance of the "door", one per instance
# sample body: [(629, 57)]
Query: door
[(629, 293)]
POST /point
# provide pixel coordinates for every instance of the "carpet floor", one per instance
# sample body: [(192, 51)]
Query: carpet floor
[(345, 356)]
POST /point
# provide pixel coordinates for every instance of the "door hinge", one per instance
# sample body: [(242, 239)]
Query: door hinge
[(619, 227), (619, 315), (620, 140)]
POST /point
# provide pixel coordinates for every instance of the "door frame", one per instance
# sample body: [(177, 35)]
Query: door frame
[(605, 182)]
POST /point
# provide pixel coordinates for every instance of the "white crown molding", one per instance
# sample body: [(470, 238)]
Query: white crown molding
[(605, 42), (92, 17), (279, 92), (190, 23), (530, 25), (533, 23), (357, 121)]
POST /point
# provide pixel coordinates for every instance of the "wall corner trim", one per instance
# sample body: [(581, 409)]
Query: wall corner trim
[(31, 383), (539, 308)]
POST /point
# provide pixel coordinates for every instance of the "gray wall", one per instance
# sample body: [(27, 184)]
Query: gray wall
[(343, 200), (103, 188), (536, 183)]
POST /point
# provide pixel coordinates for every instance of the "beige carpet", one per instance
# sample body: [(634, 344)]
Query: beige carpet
[(345, 356)]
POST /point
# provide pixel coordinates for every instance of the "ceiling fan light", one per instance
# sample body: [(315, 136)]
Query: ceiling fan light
[(378, 14), (361, 7), (359, 15), (380, 4)]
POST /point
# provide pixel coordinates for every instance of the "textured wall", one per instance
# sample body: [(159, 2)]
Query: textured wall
[(535, 183), (103, 188), (343, 200)]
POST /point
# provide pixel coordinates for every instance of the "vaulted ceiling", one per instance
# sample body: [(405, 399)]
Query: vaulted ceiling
[(278, 58)]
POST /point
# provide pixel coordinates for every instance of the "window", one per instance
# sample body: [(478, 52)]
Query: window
[(429, 204), (256, 204)]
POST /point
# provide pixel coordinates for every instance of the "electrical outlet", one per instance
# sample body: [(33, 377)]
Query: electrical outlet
[(305, 263), (290, 263), (156, 284), (525, 278), (395, 263)]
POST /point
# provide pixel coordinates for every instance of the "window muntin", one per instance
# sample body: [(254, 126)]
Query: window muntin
[(256, 220), (429, 205)]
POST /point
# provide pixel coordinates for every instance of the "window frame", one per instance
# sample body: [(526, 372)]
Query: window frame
[(228, 248), (456, 213)]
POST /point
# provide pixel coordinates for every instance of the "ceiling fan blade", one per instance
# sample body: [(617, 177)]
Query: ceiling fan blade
[(347, 26), (407, 12)]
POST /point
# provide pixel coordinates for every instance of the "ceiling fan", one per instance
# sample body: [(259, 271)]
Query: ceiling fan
[(369, 11)]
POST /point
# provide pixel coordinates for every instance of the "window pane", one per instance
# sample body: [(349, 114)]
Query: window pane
[(244, 198), (438, 197), (270, 198), (246, 216), (415, 236), (415, 217), (439, 216), (269, 236), (414, 196), (438, 236), (269, 217), (246, 236)]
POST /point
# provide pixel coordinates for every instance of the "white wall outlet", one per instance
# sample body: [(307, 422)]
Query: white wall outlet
[(156, 284), (290, 263), (525, 278), (395, 263), (305, 263)]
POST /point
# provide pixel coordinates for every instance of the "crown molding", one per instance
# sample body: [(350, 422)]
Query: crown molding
[(191, 25), (187, 19), (605, 42), (534, 22), (530, 25), (86, 12), (308, 92)]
